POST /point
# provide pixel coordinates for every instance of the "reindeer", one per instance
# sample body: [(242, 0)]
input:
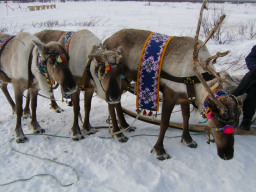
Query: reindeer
[(26, 62), (182, 58), (95, 69)]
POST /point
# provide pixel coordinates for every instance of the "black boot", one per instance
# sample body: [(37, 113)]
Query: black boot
[(245, 124)]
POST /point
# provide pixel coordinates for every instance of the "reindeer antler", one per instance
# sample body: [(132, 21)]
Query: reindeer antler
[(205, 64)]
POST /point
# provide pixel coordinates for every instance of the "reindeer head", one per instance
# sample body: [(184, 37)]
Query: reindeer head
[(106, 70), (222, 125), (224, 110), (54, 61)]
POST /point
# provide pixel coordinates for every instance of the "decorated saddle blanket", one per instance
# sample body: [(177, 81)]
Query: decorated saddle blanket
[(149, 72), (4, 40), (67, 38)]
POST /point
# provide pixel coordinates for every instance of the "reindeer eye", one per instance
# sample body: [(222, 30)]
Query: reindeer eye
[(102, 69), (50, 61)]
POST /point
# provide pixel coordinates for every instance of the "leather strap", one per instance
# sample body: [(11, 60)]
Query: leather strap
[(86, 75), (189, 81)]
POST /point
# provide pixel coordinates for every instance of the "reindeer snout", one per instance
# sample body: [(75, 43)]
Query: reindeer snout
[(69, 90), (68, 83), (113, 93), (113, 100), (226, 155)]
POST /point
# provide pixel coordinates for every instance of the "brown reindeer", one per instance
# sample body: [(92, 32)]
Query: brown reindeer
[(95, 69), (26, 62), (182, 57)]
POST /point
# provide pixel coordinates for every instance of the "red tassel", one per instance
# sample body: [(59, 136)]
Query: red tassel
[(62, 58), (150, 113), (144, 112), (138, 111), (70, 103)]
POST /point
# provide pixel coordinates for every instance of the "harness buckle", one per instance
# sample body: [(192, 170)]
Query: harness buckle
[(188, 80)]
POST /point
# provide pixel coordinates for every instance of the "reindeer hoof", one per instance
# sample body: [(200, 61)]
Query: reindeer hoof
[(160, 157), (77, 137), (131, 129), (57, 109), (191, 144), (21, 140), (26, 115), (90, 132), (36, 128), (39, 131), (121, 138)]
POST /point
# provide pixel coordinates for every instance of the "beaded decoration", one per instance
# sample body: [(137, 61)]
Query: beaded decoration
[(228, 129), (219, 94), (4, 40), (148, 77)]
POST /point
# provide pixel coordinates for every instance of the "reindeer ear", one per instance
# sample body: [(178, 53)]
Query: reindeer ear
[(119, 50), (95, 51), (241, 99), (102, 47), (39, 44), (212, 106), (119, 56)]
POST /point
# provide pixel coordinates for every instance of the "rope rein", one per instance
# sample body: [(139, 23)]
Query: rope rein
[(44, 159), (124, 129), (63, 164)]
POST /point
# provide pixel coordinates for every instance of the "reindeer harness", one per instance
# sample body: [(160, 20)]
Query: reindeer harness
[(3, 41), (149, 74), (148, 77), (189, 82), (227, 129), (67, 36), (42, 68)]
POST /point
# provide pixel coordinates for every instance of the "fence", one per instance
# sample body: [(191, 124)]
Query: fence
[(41, 7)]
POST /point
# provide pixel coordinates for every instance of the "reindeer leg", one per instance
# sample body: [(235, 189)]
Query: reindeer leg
[(87, 128), (26, 111), (8, 97), (34, 123), (76, 132), (19, 135), (186, 138), (121, 118), (167, 107), (120, 136), (54, 106)]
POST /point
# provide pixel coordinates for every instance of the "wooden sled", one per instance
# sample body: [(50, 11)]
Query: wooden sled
[(192, 127)]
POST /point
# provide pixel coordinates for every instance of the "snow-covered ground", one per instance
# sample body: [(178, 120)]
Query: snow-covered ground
[(104, 164)]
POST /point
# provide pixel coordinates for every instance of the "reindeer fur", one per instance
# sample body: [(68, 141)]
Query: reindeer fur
[(82, 46), (17, 59), (177, 62)]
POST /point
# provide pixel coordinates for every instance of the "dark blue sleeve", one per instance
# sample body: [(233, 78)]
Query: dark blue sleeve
[(251, 60)]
